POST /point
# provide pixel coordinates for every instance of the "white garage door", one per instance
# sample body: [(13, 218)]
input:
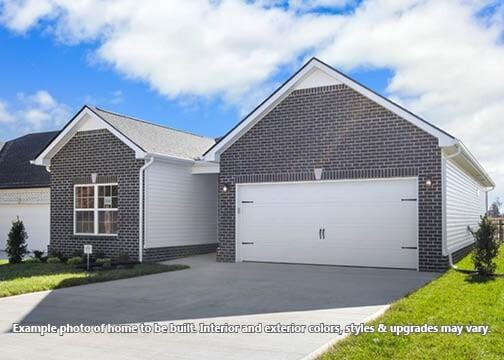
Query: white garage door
[(355, 223), (32, 206)]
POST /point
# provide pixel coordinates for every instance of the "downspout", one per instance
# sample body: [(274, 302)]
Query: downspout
[(141, 209), (445, 245), (486, 197)]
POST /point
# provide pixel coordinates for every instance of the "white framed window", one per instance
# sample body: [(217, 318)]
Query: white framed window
[(95, 209)]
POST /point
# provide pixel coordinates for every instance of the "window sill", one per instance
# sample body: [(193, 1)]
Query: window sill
[(95, 235)]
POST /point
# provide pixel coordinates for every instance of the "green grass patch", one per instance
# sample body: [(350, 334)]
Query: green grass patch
[(24, 278), (453, 299)]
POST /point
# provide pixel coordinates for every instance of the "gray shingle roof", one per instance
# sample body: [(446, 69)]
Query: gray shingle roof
[(15, 168), (157, 139)]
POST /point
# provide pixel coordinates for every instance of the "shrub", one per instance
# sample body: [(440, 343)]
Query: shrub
[(486, 247), (32, 260), (78, 253), (16, 243), (60, 256), (98, 254), (122, 258), (75, 260), (105, 263), (38, 254), (53, 260)]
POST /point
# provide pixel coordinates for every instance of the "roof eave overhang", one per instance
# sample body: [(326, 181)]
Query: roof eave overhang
[(170, 158), (69, 130), (465, 158), (213, 154)]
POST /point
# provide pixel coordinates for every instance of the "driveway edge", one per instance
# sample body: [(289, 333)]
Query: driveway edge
[(324, 348)]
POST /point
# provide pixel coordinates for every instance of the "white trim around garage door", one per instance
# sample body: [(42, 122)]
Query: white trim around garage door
[(238, 185)]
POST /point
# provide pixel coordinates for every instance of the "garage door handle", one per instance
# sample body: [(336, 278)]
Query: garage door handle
[(323, 234)]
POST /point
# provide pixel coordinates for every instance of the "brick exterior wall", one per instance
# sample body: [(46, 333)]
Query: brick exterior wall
[(349, 136), (461, 253), (100, 152), (176, 252)]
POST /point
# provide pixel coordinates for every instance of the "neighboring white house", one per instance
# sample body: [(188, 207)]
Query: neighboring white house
[(24, 190)]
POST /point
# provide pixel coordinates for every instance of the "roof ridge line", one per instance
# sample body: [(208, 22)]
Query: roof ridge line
[(151, 123)]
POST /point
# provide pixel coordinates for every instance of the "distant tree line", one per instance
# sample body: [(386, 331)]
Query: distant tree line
[(495, 208)]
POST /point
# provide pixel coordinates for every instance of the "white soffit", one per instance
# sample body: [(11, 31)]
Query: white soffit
[(316, 78), (89, 123), (314, 74), (85, 120)]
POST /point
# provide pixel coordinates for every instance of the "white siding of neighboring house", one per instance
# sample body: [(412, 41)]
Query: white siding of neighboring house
[(32, 206), (465, 203), (180, 208)]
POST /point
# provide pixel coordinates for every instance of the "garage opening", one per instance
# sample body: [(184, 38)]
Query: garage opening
[(372, 223)]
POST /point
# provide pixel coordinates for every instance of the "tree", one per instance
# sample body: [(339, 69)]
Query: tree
[(16, 243), (486, 247), (494, 210)]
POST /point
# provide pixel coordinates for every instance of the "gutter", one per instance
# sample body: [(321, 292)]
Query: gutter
[(462, 150), (141, 208)]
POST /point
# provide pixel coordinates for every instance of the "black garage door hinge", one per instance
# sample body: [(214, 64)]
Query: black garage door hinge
[(408, 199)]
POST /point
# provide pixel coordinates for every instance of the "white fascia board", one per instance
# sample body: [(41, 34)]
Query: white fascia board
[(477, 166), (171, 159), (206, 167), (44, 159), (213, 155), (257, 114), (466, 160)]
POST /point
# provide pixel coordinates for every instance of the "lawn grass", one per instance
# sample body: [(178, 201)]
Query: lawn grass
[(453, 299), (24, 278)]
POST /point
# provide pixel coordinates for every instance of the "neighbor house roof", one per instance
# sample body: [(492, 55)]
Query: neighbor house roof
[(15, 168), (157, 139)]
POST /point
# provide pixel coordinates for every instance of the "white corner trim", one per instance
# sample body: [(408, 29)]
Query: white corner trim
[(44, 159), (315, 64)]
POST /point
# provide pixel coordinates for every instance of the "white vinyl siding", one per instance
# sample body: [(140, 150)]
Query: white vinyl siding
[(180, 208), (465, 203), (32, 206)]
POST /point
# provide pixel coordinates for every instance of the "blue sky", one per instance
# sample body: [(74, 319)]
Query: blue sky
[(34, 61), (202, 65)]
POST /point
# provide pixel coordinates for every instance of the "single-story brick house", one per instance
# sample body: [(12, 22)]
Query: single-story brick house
[(24, 189), (324, 171)]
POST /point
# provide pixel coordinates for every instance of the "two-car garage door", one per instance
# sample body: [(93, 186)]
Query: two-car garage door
[(355, 223)]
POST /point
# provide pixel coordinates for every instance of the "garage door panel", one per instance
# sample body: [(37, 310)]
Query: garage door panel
[(366, 223), (350, 256)]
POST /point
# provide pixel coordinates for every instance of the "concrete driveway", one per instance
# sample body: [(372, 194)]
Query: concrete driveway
[(209, 292)]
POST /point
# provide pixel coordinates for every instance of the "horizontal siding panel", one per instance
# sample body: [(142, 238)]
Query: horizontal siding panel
[(180, 208), (465, 203)]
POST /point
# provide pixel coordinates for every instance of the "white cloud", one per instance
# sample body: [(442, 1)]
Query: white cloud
[(20, 15), (5, 115), (32, 113), (446, 56)]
